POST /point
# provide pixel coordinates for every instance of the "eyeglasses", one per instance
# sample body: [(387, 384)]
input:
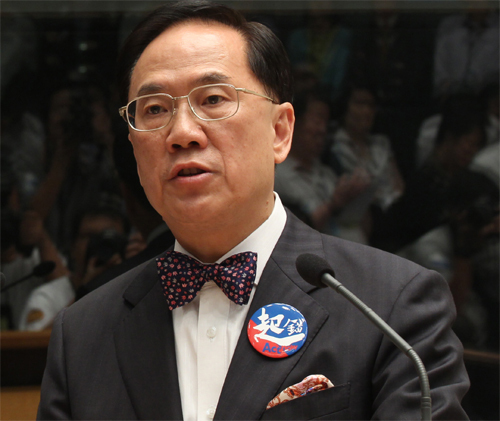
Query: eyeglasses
[(208, 102)]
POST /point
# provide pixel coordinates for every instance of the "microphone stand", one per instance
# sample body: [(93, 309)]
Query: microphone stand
[(425, 401), (318, 272), (41, 270)]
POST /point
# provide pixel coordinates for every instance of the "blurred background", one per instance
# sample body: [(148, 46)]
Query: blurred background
[(408, 126)]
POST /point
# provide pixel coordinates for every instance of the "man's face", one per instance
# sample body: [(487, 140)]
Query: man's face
[(231, 161), (311, 129), (361, 111)]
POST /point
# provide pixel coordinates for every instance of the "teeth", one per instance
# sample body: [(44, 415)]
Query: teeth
[(190, 171)]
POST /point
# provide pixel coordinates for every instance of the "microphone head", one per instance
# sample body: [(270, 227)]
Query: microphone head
[(312, 267), (44, 268)]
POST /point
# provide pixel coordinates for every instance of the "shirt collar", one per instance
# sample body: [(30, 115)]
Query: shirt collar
[(262, 241)]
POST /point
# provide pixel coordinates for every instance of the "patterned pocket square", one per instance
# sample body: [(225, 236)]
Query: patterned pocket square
[(311, 384)]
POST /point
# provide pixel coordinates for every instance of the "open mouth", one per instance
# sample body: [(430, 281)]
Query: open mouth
[(189, 172)]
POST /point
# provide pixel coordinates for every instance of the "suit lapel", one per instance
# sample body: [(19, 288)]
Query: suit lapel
[(253, 379), (145, 343), (145, 350)]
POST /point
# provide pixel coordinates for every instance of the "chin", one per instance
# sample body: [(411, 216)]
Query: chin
[(189, 211)]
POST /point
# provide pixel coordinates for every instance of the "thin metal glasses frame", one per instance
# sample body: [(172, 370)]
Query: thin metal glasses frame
[(123, 111)]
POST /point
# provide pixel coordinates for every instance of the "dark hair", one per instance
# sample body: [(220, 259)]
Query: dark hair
[(101, 208), (342, 104), (302, 100), (475, 193), (462, 113), (266, 54)]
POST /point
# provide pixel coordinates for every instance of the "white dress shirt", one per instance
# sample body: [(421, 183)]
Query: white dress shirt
[(207, 329), (308, 188), (465, 55), (48, 300)]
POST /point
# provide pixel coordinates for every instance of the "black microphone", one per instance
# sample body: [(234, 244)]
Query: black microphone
[(40, 270), (318, 272)]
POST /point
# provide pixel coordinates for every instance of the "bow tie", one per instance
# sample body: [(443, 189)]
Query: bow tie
[(182, 277)]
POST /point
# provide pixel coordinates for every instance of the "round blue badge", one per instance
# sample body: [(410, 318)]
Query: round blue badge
[(277, 330)]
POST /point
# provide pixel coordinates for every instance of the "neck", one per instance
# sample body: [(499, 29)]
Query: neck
[(358, 137), (208, 242)]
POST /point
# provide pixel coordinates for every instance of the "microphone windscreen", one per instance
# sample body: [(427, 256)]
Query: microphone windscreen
[(44, 268), (312, 267)]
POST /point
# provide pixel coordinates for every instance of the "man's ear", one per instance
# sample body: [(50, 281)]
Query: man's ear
[(283, 129)]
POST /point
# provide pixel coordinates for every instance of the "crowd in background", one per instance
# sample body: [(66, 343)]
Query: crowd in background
[(395, 146)]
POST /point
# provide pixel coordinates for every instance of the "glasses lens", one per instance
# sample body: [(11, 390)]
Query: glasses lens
[(214, 102), (150, 112)]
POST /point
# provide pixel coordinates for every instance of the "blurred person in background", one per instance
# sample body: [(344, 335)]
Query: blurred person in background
[(307, 186), (359, 151), (79, 168), (425, 203), (321, 47), (488, 98), (466, 52), (25, 244), (152, 234), (99, 239), (393, 51)]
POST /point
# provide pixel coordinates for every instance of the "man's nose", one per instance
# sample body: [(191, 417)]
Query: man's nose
[(186, 130)]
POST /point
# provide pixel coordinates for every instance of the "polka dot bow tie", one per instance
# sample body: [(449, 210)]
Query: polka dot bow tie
[(182, 277)]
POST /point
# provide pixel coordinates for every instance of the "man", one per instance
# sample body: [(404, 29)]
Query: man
[(127, 351)]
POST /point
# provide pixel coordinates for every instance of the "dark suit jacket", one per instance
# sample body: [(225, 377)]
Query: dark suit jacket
[(112, 354)]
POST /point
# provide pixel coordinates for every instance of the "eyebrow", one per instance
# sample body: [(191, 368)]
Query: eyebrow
[(206, 79), (212, 78), (150, 88)]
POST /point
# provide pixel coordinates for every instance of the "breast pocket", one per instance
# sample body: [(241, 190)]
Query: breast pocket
[(328, 404)]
